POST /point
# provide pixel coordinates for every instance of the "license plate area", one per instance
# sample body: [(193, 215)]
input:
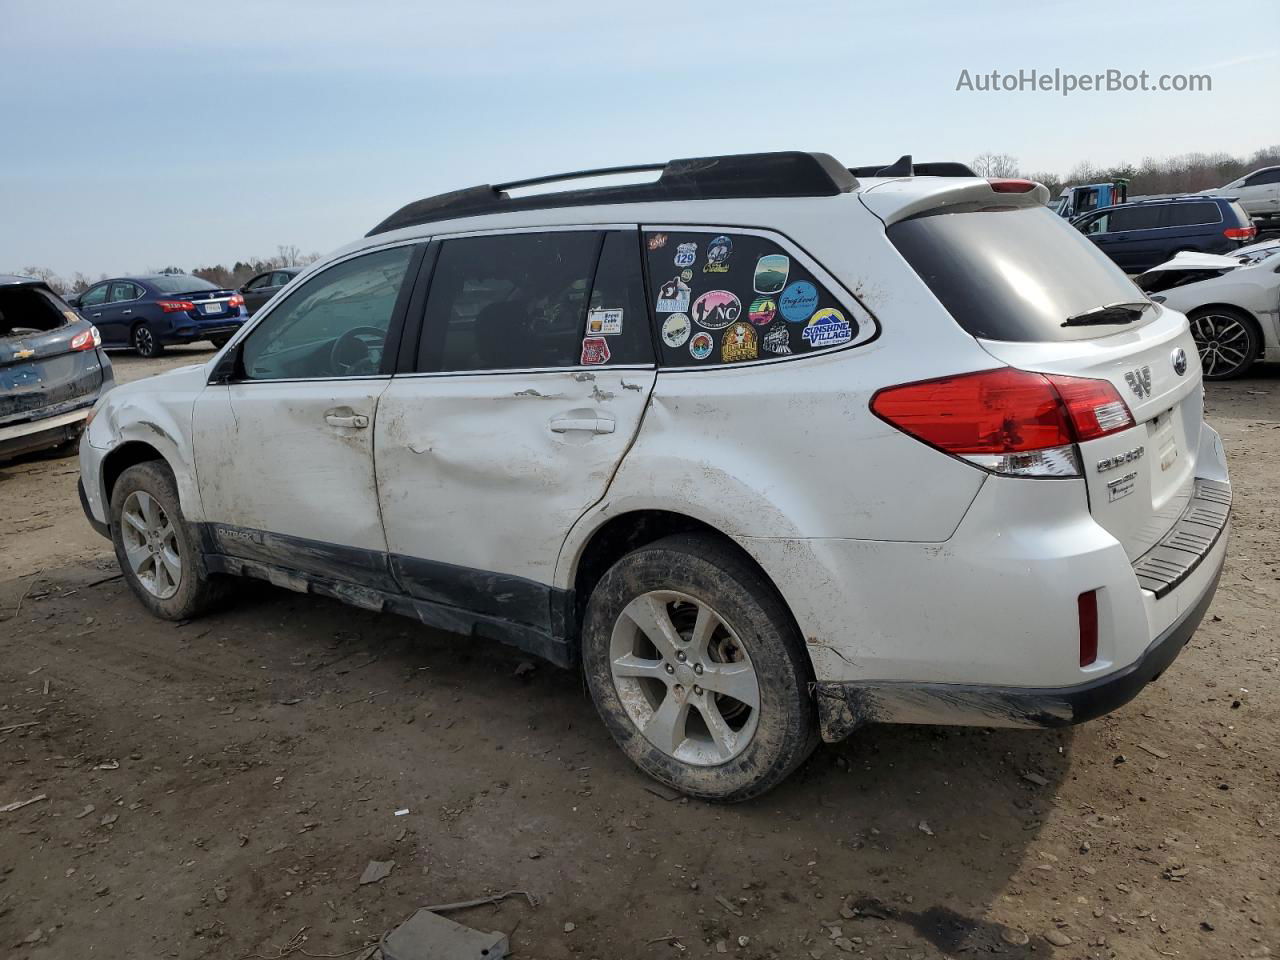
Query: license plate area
[(1163, 440), (211, 307)]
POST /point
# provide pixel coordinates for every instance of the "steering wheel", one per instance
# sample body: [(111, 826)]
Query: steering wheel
[(357, 352)]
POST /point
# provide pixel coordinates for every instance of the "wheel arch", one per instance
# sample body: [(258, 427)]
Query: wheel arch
[(126, 455), (621, 534)]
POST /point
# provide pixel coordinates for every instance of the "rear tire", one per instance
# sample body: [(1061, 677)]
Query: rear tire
[(1227, 339), (721, 627), (144, 342), (155, 546)]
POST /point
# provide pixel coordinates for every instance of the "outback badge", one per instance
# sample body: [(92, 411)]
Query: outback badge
[(1139, 381)]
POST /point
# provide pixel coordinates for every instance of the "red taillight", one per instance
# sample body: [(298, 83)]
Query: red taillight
[(995, 417), (1241, 233), (1087, 603), (87, 340), (236, 301), (173, 306), (1011, 184)]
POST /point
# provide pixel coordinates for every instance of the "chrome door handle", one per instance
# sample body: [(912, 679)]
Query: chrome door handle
[(126, 312), (96, 315), (358, 421), (590, 424)]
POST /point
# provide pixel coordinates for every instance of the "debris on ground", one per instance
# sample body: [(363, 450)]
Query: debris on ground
[(481, 901), (524, 668), (377, 871), (1154, 751), (662, 791), (429, 936), (19, 804), (728, 905), (923, 827)]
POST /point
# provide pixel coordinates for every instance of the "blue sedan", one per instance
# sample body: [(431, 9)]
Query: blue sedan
[(149, 312)]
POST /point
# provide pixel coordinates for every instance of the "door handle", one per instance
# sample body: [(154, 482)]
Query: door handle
[(357, 421), (590, 424), (96, 315), (126, 312)]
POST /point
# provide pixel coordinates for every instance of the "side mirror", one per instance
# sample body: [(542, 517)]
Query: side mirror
[(73, 301), (243, 288)]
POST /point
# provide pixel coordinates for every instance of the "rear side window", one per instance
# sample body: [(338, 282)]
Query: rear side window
[(1135, 218), (1014, 274), (1190, 214), (535, 300), (724, 298)]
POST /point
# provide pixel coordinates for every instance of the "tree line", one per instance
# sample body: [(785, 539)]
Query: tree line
[(221, 275), (1187, 173)]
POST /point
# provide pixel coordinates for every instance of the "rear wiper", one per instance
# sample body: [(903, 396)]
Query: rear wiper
[(1126, 311)]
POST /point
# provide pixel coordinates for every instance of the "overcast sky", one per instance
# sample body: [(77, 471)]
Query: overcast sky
[(140, 134)]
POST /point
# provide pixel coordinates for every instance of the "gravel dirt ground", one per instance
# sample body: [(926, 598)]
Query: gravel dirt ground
[(217, 788)]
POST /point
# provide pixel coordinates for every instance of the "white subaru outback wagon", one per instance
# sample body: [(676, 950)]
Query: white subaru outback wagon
[(772, 447)]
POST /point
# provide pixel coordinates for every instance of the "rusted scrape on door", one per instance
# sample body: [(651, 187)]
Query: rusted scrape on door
[(844, 707)]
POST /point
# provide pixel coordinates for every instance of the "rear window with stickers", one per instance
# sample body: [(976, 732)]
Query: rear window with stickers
[(722, 298)]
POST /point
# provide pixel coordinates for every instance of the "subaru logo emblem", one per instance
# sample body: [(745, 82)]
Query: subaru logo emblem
[(1179, 359)]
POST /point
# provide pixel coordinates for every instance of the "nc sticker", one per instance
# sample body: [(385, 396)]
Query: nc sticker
[(604, 322), (771, 273), (762, 310), (716, 309), (718, 254), (798, 301), (657, 241), (595, 350), (827, 328), (739, 343), (700, 346), (686, 254), (673, 296), (778, 339), (676, 329)]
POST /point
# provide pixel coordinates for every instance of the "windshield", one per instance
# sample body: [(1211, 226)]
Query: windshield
[(180, 283), (1016, 273)]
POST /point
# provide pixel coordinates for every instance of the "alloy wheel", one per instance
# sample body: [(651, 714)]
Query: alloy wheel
[(144, 342), (684, 678), (1223, 343), (151, 545)]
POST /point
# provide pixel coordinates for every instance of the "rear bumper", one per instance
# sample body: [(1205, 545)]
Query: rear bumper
[(844, 707), (187, 333), (36, 435)]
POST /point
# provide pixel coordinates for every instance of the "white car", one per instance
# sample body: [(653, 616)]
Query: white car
[(771, 452), (1232, 301), (1258, 192)]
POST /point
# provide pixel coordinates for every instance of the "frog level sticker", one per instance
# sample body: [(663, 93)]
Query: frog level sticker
[(739, 343), (676, 329), (778, 339), (673, 296), (657, 241), (762, 310), (827, 328), (771, 273), (605, 322), (798, 301), (686, 254), (595, 350), (716, 309), (700, 346), (718, 253), (686, 274)]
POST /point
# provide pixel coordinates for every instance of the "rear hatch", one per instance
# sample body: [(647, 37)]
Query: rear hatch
[(1038, 296), (48, 364)]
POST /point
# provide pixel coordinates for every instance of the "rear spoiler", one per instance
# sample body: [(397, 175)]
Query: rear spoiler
[(905, 167)]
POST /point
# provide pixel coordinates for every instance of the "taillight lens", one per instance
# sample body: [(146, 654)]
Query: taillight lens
[(87, 340), (1007, 421), (174, 306), (1011, 184), (237, 300), (1087, 606), (1241, 233)]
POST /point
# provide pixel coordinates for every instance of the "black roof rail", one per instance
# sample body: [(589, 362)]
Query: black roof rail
[(904, 167), (738, 176)]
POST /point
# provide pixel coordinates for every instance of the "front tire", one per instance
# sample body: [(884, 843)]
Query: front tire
[(698, 670), (155, 547), (1227, 339), (144, 342)]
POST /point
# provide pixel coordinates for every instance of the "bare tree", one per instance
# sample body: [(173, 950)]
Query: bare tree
[(55, 282), (995, 165)]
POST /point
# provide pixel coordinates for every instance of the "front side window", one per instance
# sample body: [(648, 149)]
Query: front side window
[(258, 282), (334, 325), (279, 278), (724, 298), (534, 300), (95, 296)]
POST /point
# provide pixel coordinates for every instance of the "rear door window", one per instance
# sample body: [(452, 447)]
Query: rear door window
[(1015, 274), (527, 301), (733, 297)]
